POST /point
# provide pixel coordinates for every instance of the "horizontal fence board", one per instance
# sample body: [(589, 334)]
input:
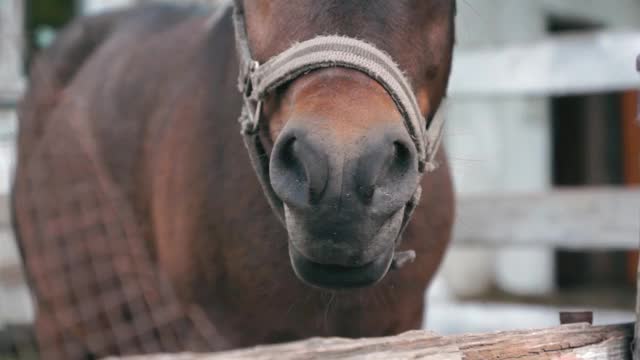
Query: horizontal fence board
[(560, 65), (581, 218), (578, 341)]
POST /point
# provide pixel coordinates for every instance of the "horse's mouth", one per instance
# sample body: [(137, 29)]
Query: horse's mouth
[(337, 276)]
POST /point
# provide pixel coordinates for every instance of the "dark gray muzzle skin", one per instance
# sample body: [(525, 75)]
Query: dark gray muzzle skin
[(344, 202)]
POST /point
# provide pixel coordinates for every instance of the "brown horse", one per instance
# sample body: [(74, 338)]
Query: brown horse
[(153, 91)]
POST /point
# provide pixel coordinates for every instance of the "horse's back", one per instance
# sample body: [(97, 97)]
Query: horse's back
[(124, 68)]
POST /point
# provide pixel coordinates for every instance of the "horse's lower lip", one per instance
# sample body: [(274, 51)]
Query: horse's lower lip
[(339, 277)]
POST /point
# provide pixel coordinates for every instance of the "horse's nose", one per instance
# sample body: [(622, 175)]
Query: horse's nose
[(299, 168), (386, 168), (378, 170)]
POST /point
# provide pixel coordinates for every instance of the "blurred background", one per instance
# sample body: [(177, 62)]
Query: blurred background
[(544, 141)]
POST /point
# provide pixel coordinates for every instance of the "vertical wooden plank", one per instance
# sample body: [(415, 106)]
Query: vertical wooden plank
[(638, 104), (631, 161), (631, 151), (631, 138)]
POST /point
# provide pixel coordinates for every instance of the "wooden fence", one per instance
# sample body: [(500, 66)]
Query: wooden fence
[(568, 342)]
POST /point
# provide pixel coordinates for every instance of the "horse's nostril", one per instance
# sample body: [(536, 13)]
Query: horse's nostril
[(366, 192), (298, 170), (386, 168), (379, 171), (401, 160), (291, 162)]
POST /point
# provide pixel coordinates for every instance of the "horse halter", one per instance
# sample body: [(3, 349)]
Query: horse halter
[(257, 80)]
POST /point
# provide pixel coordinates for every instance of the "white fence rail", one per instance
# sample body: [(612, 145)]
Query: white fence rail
[(581, 218), (593, 218), (569, 64)]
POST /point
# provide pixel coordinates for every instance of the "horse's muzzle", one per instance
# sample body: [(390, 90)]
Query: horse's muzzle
[(312, 169), (344, 201)]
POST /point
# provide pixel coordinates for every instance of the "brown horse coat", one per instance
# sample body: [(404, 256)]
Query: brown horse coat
[(141, 222)]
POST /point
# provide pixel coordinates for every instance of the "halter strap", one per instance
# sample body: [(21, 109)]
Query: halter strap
[(256, 81)]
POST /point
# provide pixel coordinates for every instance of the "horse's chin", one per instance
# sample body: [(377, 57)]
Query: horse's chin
[(337, 276), (346, 258)]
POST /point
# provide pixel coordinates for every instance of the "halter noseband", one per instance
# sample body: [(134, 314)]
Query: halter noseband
[(257, 80)]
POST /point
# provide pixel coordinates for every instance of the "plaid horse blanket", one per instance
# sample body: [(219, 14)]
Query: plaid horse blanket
[(97, 289)]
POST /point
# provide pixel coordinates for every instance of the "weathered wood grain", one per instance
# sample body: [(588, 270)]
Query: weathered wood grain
[(577, 341)]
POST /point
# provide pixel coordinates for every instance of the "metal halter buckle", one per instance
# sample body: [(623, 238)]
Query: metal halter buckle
[(253, 106), (247, 86)]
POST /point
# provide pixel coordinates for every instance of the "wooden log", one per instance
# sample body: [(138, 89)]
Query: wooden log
[(576, 341)]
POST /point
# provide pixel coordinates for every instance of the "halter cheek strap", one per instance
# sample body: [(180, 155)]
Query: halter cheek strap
[(256, 81)]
